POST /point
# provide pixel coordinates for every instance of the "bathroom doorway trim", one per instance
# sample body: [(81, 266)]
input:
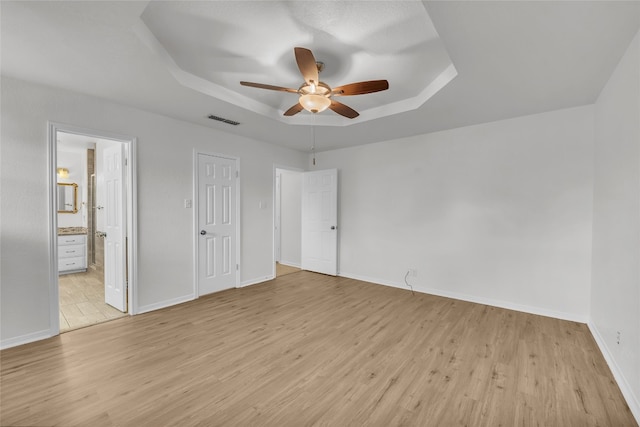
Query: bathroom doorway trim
[(131, 215)]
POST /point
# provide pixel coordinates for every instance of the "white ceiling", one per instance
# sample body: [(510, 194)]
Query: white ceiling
[(512, 58), (211, 46)]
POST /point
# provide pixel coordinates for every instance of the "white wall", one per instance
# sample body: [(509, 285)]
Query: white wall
[(615, 289), (497, 213), (291, 216), (165, 178)]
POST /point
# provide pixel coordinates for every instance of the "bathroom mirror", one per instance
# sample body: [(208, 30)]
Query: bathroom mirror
[(67, 198)]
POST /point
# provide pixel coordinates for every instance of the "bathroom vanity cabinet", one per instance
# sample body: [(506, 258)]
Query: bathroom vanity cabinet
[(72, 253)]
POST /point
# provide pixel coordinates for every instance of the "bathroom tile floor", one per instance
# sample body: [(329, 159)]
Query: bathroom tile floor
[(82, 301)]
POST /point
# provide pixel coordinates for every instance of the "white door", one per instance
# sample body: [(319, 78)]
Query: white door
[(115, 280), (217, 228), (320, 221)]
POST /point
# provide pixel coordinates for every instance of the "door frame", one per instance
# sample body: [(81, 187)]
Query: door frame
[(277, 219), (196, 206), (130, 144), (273, 222)]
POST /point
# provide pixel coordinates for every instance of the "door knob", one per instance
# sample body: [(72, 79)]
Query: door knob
[(202, 232), (333, 227)]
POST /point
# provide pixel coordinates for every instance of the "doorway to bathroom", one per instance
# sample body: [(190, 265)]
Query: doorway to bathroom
[(93, 215), (287, 220)]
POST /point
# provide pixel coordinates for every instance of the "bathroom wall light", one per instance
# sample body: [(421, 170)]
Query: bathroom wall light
[(63, 172)]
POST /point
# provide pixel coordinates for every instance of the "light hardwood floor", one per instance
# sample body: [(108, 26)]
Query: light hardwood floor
[(308, 349), (282, 269)]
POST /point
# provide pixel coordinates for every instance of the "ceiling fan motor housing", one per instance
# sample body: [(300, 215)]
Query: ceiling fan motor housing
[(318, 89)]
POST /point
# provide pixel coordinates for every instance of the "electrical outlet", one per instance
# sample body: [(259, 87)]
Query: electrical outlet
[(413, 272), (618, 337)]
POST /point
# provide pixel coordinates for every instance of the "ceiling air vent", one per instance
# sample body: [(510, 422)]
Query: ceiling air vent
[(223, 120)]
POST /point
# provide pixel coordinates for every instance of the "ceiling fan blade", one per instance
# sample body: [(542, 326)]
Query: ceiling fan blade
[(270, 87), (343, 110), (293, 110), (361, 88), (307, 65)]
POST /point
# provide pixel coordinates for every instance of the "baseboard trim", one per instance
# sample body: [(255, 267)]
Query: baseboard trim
[(474, 299), (25, 339), (164, 304), (290, 264), (256, 281), (168, 303), (632, 400)]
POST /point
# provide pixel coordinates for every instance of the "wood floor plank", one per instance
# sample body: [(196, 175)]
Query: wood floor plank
[(312, 350)]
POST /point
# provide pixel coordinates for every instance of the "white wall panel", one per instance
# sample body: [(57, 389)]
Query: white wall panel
[(499, 212), (615, 305)]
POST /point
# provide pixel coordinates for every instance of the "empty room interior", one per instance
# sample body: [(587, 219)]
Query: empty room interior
[(336, 213)]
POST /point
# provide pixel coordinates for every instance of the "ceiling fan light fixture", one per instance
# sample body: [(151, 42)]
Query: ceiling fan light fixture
[(315, 96), (314, 103)]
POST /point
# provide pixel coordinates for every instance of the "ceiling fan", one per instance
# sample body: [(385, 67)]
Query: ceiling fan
[(316, 96)]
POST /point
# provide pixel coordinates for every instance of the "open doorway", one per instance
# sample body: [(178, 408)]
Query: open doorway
[(92, 223), (287, 218)]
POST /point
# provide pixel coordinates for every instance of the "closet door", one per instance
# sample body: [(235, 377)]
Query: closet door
[(320, 221)]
